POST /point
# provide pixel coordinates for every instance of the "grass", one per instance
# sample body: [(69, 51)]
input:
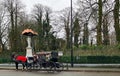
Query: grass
[(101, 51), (81, 51)]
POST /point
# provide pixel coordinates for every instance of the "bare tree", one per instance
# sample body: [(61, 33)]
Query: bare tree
[(107, 20), (86, 10), (65, 18), (38, 15), (3, 28), (99, 29), (95, 13), (13, 8), (116, 20), (42, 17)]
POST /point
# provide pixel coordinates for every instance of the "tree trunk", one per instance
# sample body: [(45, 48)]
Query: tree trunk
[(99, 36), (76, 30), (106, 40), (85, 34), (116, 20), (12, 33)]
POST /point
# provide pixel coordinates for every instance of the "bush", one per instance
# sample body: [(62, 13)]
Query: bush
[(118, 46), (84, 47), (5, 60), (92, 59)]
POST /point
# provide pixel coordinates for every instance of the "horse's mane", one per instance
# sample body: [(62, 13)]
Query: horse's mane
[(13, 55)]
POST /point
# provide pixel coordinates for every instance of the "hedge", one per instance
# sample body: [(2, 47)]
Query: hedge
[(91, 59), (5, 60), (81, 59)]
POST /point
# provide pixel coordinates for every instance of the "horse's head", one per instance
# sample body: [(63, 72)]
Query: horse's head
[(13, 56)]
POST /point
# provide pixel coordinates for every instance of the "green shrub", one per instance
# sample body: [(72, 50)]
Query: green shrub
[(91, 59), (93, 47), (5, 60), (118, 46), (84, 47)]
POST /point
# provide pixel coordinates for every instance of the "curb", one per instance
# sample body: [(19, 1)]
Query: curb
[(69, 70), (92, 71)]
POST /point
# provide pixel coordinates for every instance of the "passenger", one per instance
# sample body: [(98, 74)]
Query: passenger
[(42, 59), (54, 56)]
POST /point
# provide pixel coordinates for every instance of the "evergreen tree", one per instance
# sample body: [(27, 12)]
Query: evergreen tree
[(76, 30), (85, 34)]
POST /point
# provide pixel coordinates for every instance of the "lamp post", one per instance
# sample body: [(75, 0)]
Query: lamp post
[(71, 48)]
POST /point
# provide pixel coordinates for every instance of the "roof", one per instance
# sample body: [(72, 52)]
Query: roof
[(29, 32)]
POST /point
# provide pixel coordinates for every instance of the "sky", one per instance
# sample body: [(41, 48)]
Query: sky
[(55, 5)]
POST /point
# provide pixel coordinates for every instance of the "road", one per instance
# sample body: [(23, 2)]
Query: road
[(9, 70), (40, 73)]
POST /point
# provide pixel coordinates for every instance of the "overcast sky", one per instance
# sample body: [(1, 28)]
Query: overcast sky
[(55, 5)]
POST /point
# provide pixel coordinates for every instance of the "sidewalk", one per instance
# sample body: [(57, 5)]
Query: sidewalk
[(77, 67), (93, 69)]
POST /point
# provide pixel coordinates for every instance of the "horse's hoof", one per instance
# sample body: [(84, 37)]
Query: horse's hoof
[(22, 69), (16, 69), (26, 69)]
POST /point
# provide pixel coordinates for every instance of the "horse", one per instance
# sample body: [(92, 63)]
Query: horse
[(19, 59)]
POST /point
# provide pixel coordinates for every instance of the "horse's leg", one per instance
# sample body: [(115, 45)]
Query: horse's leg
[(23, 64), (16, 65), (26, 65)]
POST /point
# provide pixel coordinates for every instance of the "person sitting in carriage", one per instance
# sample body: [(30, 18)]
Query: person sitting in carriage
[(54, 56), (41, 58)]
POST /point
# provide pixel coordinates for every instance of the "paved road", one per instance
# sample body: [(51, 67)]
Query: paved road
[(80, 68), (9, 70), (75, 65), (39, 73)]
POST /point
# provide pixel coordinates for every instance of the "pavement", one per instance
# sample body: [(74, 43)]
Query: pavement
[(76, 68)]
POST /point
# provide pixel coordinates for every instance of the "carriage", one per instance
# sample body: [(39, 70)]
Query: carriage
[(43, 61), (47, 61)]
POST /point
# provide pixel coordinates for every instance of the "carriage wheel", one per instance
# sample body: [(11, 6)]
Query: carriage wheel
[(59, 67), (29, 66), (50, 66), (40, 66)]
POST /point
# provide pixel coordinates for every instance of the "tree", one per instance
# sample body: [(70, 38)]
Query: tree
[(105, 31), (14, 8), (3, 28), (42, 17), (116, 20), (65, 18), (38, 15), (85, 18), (76, 30), (98, 14), (99, 30), (107, 20), (47, 26), (11, 10), (85, 34)]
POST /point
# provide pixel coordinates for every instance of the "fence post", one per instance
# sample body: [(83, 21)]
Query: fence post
[(67, 65)]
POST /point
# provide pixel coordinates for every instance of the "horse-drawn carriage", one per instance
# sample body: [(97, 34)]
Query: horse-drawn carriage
[(47, 61), (43, 61)]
